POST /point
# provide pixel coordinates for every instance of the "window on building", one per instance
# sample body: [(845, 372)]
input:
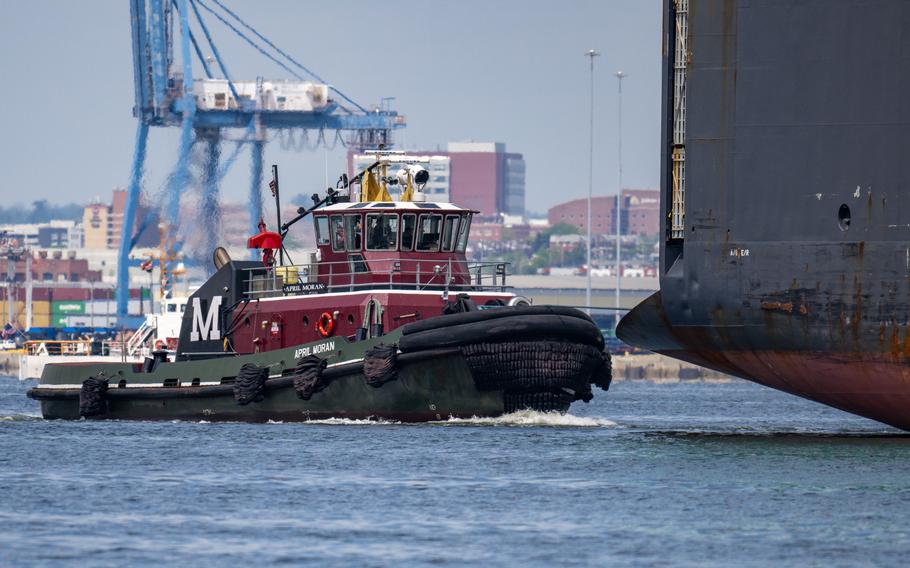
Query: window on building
[(353, 231), (322, 230), (463, 231), (337, 234), (448, 233), (47, 276), (429, 228), (382, 232), (408, 224)]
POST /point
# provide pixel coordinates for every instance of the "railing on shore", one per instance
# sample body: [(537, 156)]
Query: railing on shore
[(359, 274), (74, 348)]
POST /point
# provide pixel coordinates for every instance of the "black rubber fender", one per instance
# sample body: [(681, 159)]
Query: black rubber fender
[(380, 365), (514, 327), (249, 386), (308, 376), (92, 400), (491, 314), (532, 366)]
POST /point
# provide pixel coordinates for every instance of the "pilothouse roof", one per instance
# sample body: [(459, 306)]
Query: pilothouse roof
[(427, 206)]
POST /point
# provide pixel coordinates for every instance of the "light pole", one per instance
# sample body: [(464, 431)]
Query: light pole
[(590, 54), (620, 76)]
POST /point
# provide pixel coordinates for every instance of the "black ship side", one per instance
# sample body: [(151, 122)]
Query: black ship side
[(786, 198)]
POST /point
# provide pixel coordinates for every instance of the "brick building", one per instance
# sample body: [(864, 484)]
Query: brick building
[(57, 266), (102, 223), (639, 213)]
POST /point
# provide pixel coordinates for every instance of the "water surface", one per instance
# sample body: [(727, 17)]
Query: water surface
[(670, 474)]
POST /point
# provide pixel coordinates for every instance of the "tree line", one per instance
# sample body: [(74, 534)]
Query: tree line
[(40, 211)]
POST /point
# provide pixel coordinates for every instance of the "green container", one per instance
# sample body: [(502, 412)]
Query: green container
[(58, 320), (68, 307)]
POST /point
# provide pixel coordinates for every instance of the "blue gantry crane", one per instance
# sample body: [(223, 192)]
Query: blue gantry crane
[(203, 109)]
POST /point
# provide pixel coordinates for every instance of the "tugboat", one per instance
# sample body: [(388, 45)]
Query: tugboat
[(385, 320)]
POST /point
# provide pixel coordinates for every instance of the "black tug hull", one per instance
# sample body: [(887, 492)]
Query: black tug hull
[(482, 364)]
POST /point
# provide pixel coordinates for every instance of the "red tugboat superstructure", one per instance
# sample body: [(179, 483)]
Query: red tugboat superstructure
[(387, 318), (379, 264)]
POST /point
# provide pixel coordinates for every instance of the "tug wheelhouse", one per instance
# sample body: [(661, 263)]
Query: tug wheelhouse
[(379, 263)]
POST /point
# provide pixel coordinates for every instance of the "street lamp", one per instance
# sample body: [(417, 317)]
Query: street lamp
[(590, 54), (620, 76)]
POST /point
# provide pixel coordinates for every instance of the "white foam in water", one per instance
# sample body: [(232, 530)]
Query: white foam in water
[(535, 418), (352, 422), (20, 417)]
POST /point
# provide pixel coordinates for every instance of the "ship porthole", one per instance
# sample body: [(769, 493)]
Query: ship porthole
[(843, 217)]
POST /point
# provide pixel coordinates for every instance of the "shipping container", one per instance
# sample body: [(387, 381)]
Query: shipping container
[(18, 308), (136, 292), (42, 294), (89, 321), (134, 307), (78, 294), (41, 320), (41, 307), (101, 307), (67, 307)]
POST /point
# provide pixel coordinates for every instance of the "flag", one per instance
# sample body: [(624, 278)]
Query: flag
[(273, 185)]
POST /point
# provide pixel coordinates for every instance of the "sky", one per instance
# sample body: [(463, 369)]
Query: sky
[(505, 71)]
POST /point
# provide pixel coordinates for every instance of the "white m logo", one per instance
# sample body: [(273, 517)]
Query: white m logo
[(207, 327)]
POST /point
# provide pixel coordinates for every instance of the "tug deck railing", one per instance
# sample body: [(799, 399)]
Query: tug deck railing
[(446, 276)]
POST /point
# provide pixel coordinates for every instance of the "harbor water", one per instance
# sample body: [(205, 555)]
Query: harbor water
[(707, 474)]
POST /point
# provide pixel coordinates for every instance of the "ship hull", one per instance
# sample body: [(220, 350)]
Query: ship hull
[(481, 363), (874, 383), (435, 386), (785, 196)]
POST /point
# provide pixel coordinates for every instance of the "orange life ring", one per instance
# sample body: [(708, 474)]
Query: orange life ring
[(159, 345), (326, 325)]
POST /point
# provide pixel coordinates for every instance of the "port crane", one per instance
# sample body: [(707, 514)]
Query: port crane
[(168, 95)]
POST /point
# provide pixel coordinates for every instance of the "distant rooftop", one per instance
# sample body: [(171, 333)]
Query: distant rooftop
[(492, 147)]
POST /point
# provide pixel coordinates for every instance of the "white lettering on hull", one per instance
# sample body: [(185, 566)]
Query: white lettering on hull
[(206, 328), (317, 349)]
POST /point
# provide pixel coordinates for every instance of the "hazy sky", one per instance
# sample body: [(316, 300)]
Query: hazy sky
[(512, 72)]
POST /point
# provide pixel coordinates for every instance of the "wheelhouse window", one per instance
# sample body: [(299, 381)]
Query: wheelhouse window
[(408, 225), (322, 230), (449, 232), (337, 234), (382, 232), (353, 232), (464, 229), (429, 228)]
